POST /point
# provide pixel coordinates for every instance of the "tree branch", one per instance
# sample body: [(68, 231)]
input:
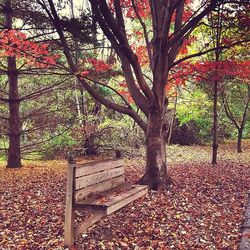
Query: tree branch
[(125, 110), (207, 51)]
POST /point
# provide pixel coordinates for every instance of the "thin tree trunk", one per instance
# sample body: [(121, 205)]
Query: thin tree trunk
[(76, 57), (83, 106), (239, 141), (78, 107), (5, 149), (215, 89), (215, 124), (14, 151), (172, 121)]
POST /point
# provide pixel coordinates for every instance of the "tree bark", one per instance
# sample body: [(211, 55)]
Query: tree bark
[(171, 125), (156, 167), (14, 151), (215, 124), (150, 99), (239, 141), (216, 87)]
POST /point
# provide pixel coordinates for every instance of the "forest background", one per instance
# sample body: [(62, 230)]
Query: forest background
[(206, 96), (101, 79)]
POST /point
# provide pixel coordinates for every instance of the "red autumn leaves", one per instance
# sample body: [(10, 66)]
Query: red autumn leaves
[(14, 43), (94, 65)]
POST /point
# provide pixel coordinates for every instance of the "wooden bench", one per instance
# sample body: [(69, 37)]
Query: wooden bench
[(97, 187)]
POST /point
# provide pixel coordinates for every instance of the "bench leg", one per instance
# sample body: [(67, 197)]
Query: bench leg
[(69, 227), (94, 217), (70, 211)]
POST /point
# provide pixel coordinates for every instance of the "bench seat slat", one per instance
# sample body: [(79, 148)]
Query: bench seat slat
[(114, 203), (139, 192), (97, 188), (96, 166), (92, 179)]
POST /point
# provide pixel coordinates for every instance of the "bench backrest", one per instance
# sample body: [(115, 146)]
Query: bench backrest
[(95, 177)]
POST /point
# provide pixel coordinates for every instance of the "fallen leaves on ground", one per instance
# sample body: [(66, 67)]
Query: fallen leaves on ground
[(203, 209), (32, 206)]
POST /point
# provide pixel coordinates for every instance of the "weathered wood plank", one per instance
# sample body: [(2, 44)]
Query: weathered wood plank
[(140, 191), (96, 177), (89, 180), (124, 195), (88, 222), (97, 166), (69, 211), (112, 201), (97, 188)]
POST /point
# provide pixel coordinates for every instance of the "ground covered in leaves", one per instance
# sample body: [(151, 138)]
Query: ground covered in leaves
[(203, 209)]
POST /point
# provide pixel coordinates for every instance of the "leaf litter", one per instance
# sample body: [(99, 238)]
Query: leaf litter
[(203, 209)]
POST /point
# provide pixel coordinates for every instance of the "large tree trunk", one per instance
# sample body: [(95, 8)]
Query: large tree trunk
[(14, 152), (239, 141), (156, 137)]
